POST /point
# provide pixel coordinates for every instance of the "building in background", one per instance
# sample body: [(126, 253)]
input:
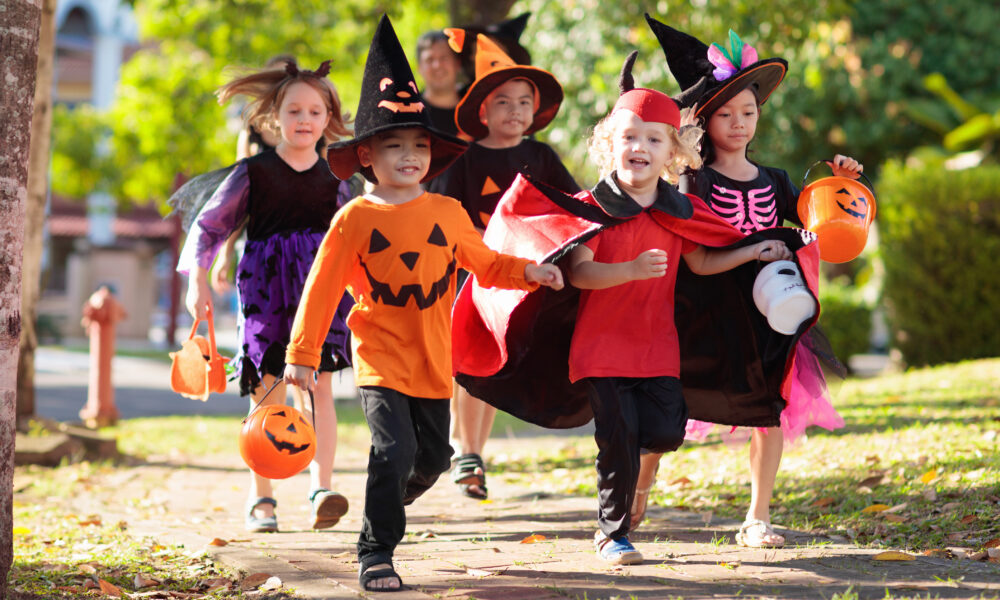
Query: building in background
[(90, 241)]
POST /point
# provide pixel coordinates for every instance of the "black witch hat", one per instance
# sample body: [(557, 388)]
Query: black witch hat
[(712, 76), (390, 100)]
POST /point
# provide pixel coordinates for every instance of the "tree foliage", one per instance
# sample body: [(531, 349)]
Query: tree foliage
[(165, 119)]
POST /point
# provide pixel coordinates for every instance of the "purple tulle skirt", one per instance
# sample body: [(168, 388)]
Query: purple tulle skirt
[(270, 279), (809, 404)]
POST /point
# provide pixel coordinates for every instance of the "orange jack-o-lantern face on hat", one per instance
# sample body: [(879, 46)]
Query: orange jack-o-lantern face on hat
[(403, 100), (856, 206), (404, 260), (277, 442)]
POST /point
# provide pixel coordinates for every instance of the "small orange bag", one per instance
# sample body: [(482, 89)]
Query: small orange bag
[(198, 369)]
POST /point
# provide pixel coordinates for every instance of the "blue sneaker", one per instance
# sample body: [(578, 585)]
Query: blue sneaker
[(619, 551)]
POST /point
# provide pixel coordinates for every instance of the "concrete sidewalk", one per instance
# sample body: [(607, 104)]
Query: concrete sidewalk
[(458, 548)]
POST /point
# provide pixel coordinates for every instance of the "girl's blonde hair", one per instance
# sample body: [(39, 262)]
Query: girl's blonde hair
[(267, 88), (685, 149)]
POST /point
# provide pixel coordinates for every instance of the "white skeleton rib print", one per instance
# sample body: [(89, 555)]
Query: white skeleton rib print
[(758, 211)]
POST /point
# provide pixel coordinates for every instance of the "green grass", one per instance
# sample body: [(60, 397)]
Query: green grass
[(930, 436)]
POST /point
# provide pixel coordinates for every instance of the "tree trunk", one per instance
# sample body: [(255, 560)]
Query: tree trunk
[(18, 60), (478, 12), (38, 180)]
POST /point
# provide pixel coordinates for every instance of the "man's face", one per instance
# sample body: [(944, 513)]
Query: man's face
[(438, 66)]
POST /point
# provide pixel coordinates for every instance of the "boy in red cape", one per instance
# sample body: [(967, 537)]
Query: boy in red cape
[(611, 351)]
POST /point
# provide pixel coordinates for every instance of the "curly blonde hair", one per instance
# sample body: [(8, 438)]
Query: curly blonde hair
[(685, 149), (267, 88)]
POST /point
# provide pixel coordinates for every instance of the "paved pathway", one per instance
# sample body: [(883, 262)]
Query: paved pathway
[(457, 548)]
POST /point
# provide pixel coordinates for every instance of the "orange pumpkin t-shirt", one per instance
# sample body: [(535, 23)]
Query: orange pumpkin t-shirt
[(399, 263)]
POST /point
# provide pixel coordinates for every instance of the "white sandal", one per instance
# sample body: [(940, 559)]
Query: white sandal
[(756, 540)]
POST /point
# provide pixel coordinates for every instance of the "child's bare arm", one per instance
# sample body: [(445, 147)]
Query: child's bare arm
[(707, 261), (587, 274)]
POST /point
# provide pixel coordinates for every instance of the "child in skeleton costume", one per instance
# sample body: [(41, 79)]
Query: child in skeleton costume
[(724, 90), (505, 103), (287, 196), (396, 249), (608, 348)]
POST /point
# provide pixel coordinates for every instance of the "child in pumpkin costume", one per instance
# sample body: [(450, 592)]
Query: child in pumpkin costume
[(506, 102), (396, 249), (724, 89), (287, 196)]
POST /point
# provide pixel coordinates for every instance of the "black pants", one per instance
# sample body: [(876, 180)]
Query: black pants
[(629, 414), (410, 449)]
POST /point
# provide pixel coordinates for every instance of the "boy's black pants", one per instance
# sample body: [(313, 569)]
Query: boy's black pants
[(631, 413), (409, 450)]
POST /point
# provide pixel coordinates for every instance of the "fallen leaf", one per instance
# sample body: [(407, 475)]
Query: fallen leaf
[(21, 530), (272, 583), (978, 555), (426, 534), (968, 519), (94, 520), (994, 543), (252, 582), (141, 581), (936, 552), (894, 518), (956, 536), (930, 494), (486, 501), (893, 555), (681, 481), (951, 505), (109, 588), (871, 481), (218, 542), (87, 568), (896, 508), (531, 539), (216, 583), (959, 552), (929, 476), (874, 508), (821, 502)]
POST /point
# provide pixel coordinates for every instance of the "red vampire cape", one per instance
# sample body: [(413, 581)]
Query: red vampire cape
[(511, 348)]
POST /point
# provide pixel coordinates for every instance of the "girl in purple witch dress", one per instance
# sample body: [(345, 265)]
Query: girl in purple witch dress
[(287, 196)]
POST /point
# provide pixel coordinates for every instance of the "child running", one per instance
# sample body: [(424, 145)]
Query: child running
[(724, 90), (627, 274), (289, 196), (396, 249), (505, 103)]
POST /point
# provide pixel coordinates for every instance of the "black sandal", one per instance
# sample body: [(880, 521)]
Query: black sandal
[(470, 473), (366, 575)]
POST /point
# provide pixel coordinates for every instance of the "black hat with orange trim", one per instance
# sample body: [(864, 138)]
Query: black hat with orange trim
[(711, 75), (493, 69), (390, 100)]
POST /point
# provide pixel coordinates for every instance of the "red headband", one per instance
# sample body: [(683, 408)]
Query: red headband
[(650, 105)]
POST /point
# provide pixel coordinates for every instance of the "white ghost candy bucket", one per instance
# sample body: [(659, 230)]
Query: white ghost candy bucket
[(781, 295)]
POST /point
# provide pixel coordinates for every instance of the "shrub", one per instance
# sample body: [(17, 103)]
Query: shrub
[(845, 318), (940, 242)]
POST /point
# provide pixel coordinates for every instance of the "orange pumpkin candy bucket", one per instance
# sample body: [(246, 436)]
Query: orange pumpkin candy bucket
[(839, 210), (276, 441), (197, 369)]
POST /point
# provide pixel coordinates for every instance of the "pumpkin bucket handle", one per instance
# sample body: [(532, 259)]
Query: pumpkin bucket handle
[(871, 186)]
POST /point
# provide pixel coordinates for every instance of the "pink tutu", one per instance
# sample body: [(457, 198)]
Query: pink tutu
[(808, 404)]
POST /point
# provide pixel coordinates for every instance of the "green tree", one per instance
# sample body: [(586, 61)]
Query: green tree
[(165, 119)]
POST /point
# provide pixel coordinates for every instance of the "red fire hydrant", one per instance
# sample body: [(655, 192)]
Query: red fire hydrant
[(100, 313)]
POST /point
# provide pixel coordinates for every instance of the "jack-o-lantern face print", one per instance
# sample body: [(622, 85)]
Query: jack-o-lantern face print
[(286, 432), (403, 259), (400, 98), (856, 206)]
